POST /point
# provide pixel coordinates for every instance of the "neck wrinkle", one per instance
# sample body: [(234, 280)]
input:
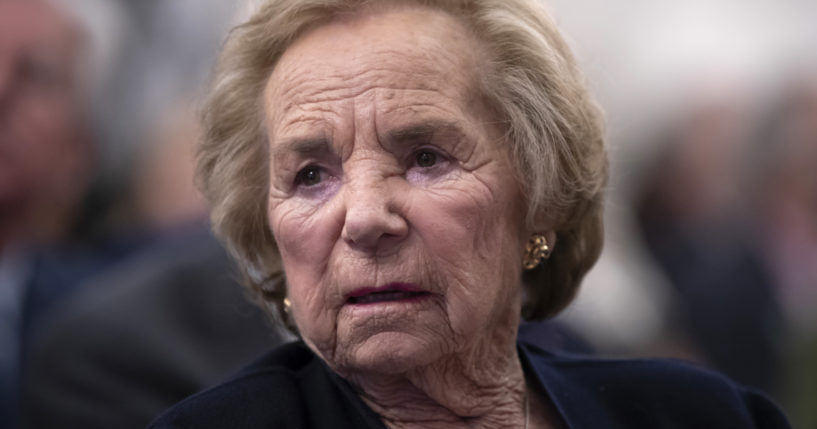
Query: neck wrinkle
[(481, 389)]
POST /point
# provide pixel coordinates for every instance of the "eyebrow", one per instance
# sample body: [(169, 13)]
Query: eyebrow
[(395, 138), (423, 131), (303, 146)]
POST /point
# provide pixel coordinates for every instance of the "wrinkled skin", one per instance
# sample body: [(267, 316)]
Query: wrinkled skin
[(386, 167)]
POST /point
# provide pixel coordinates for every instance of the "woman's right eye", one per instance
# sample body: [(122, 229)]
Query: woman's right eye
[(425, 159), (310, 175)]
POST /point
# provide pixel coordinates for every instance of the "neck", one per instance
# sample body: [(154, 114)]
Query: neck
[(480, 387)]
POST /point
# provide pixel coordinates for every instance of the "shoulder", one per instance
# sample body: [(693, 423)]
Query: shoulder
[(649, 393), (638, 375), (270, 389), (289, 387)]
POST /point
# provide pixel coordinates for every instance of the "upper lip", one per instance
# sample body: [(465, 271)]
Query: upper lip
[(388, 287)]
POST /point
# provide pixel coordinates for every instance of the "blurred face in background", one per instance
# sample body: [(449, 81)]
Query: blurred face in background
[(44, 156)]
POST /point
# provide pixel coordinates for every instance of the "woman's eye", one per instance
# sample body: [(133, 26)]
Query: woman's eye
[(309, 176), (425, 159)]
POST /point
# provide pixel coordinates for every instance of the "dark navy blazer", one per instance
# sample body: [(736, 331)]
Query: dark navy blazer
[(291, 387)]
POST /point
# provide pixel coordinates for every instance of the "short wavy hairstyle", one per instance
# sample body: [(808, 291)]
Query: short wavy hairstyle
[(552, 125)]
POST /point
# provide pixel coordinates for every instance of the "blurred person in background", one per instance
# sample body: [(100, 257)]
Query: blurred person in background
[(729, 212), (130, 341), (47, 159), (691, 211), (46, 155), (783, 179)]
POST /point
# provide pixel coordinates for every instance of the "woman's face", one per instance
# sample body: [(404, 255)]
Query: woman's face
[(392, 193)]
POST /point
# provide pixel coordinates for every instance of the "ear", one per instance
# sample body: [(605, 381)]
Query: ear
[(550, 236), (545, 225)]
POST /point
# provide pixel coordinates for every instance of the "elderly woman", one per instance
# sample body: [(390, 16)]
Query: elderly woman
[(402, 181)]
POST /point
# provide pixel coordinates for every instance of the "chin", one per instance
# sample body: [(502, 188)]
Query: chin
[(391, 353)]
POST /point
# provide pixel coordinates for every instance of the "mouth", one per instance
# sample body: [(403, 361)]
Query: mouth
[(387, 293)]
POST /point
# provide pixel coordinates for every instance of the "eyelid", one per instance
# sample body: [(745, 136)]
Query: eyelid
[(297, 180), (441, 154), (295, 162)]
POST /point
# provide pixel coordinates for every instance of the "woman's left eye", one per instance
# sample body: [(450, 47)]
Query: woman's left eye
[(309, 176), (425, 158)]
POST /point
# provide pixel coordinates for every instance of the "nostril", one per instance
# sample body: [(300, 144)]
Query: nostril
[(355, 231)]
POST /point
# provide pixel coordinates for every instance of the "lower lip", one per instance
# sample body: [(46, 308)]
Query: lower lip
[(397, 297)]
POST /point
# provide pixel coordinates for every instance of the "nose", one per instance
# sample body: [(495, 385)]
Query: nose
[(373, 219)]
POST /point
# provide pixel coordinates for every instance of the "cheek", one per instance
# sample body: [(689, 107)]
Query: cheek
[(473, 234), (305, 238), (295, 233)]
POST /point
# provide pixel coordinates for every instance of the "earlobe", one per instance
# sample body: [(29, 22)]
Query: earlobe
[(538, 249), (550, 236)]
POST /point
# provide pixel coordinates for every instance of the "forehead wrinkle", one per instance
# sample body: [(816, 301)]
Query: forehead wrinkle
[(306, 82), (424, 54), (422, 63), (364, 68), (435, 110), (311, 90), (322, 113), (307, 85), (312, 118)]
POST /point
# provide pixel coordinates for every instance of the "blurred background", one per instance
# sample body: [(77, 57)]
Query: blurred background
[(115, 302), (711, 242)]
